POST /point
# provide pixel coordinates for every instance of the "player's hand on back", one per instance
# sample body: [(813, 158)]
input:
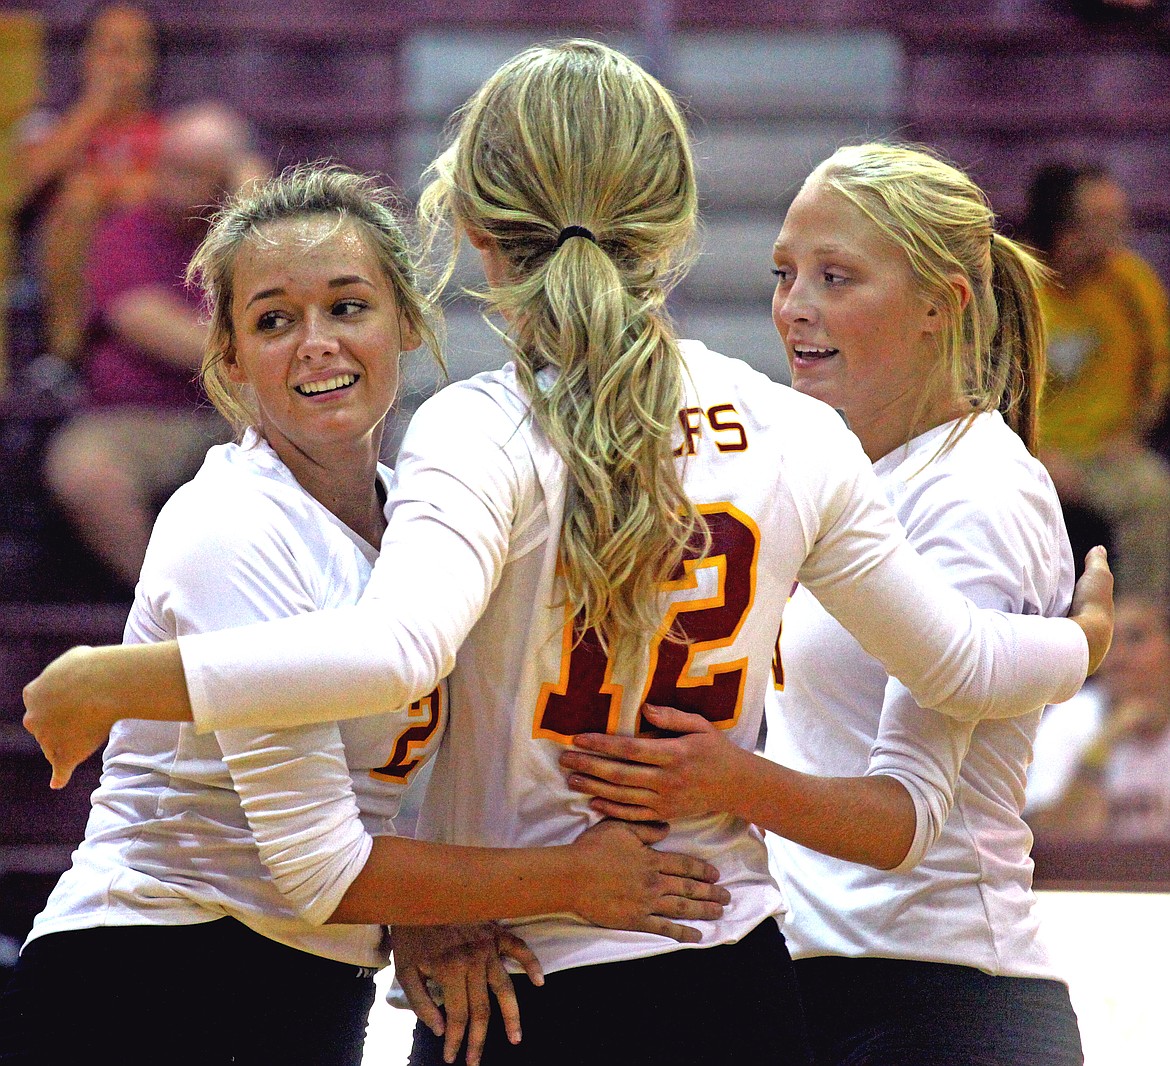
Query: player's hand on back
[(662, 778), (625, 883), (461, 967)]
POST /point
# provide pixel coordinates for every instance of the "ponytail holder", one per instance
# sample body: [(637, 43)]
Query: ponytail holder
[(993, 236), (573, 231)]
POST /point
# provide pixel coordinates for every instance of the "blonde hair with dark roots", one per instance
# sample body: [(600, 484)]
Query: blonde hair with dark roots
[(577, 134), (992, 352), (305, 190)]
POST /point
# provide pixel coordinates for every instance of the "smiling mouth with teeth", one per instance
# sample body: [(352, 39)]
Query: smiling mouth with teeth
[(315, 388), (813, 353)]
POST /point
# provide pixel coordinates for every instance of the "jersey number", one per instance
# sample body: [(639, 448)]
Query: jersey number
[(403, 761), (586, 700)]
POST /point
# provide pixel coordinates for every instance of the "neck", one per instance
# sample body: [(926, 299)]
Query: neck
[(888, 431), (345, 482)]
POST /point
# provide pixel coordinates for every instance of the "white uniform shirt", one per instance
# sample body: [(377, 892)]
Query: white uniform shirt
[(986, 515), (268, 827), (469, 563)]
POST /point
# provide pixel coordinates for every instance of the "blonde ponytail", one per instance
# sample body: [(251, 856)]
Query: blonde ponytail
[(579, 135)]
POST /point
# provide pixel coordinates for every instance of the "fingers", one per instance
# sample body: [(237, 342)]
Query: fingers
[(649, 832), (684, 934), (604, 770), (1092, 605), (479, 1008), (631, 749), (625, 812), (676, 721), (456, 1008), (502, 988), (684, 898), (609, 783), (672, 864), (61, 771), (511, 946), (419, 998)]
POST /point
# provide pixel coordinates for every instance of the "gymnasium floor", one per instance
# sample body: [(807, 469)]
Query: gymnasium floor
[(1112, 946)]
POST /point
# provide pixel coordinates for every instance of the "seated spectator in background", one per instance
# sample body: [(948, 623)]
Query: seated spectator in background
[(1109, 368), (1102, 760), (99, 156), (144, 428)]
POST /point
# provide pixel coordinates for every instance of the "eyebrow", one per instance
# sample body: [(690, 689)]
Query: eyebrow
[(334, 283), (820, 249)]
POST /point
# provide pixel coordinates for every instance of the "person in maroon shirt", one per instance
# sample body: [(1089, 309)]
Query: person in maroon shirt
[(143, 428), (97, 156)]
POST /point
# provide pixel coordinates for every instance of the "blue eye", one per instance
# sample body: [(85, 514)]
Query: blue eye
[(348, 307)]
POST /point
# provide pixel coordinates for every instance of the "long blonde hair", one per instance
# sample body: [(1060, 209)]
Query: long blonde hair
[(578, 135), (992, 352), (300, 191)]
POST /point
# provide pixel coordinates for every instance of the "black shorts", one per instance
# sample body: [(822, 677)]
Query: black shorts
[(733, 1005), (899, 1012), (212, 993)]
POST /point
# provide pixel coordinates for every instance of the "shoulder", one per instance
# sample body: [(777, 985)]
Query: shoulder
[(987, 513), (710, 376), (237, 505), (238, 543), (986, 471), (480, 422), (494, 394)]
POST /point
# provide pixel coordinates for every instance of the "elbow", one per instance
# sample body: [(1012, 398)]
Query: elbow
[(914, 824)]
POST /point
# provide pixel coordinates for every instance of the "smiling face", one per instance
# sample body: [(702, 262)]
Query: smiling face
[(317, 334), (858, 333)]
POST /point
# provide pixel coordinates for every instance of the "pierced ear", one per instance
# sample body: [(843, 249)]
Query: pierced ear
[(936, 313)]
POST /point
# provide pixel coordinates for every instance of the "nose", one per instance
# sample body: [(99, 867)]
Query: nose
[(319, 336), (791, 304)]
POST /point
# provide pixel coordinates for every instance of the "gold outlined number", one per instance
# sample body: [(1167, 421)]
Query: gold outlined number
[(586, 700)]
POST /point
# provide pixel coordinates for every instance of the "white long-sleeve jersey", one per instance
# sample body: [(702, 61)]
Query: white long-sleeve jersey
[(469, 564), (269, 827), (986, 516)]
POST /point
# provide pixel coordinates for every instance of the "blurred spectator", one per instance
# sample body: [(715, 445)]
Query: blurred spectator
[(142, 431), (1109, 368), (97, 157), (1102, 760)]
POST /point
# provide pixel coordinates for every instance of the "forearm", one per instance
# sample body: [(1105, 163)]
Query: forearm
[(40, 163), (136, 681), (869, 820), (415, 882), (159, 323)]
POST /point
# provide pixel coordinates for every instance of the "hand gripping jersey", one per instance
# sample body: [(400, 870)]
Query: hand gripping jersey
[(269, 827), (469, 564)]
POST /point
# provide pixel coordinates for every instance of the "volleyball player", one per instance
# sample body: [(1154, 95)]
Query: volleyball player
[(251, 871), (901, 846), (541, 512)]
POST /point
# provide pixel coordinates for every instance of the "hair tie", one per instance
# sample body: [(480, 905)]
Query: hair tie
[(573, 231)]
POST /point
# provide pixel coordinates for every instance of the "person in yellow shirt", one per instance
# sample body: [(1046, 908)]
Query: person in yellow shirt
[(1109, 367)]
